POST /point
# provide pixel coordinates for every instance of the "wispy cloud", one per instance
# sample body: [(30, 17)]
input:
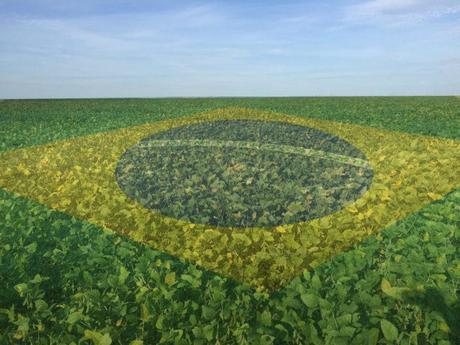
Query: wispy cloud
[(379, 7), (180, 48), (399, 12), (134, 36)]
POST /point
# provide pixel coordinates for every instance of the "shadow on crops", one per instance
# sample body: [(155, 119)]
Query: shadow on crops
[(432, 299)]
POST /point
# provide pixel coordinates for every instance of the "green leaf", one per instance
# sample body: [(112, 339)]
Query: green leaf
[(208, 312), (266, 318), (394, 292), (31, 248), (21, 289), (145, 313), (316, 282), (208, 332), (266, 339), (159, 323), (309, 300), (170, 278), (373, 336), (75, 317), (98, 338), (390, 332), (123, 275), (136, 342)]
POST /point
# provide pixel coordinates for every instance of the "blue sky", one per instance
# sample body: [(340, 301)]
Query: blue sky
[(126, 48)]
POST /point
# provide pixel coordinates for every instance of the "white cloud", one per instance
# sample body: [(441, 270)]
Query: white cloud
[(376, 7), (222, 49), (140, 35), (399, 12)]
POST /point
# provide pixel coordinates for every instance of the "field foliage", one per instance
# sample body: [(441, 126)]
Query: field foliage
[(68, 281)]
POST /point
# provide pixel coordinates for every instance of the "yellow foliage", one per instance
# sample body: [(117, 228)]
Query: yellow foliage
[(77, 176)]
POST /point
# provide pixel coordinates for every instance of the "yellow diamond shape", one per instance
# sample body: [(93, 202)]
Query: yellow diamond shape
[(76, 176)]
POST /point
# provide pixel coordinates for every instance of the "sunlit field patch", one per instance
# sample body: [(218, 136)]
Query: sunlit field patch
[(79, 176)]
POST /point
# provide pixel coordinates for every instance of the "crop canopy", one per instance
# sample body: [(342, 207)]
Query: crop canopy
[(78, 176)]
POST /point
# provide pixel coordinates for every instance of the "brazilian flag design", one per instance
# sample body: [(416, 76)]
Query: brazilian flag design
[(253, 195)]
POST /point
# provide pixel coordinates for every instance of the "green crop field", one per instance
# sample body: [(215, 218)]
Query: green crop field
[(230, 221)]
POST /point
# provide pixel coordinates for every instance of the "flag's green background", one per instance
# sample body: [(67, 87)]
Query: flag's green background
[(31, 122), (64, 281)]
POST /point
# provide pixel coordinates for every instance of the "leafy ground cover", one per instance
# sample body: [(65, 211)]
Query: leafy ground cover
[(244, 173), (65, 281), (78, 176), (68, 281), (31, 122)]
